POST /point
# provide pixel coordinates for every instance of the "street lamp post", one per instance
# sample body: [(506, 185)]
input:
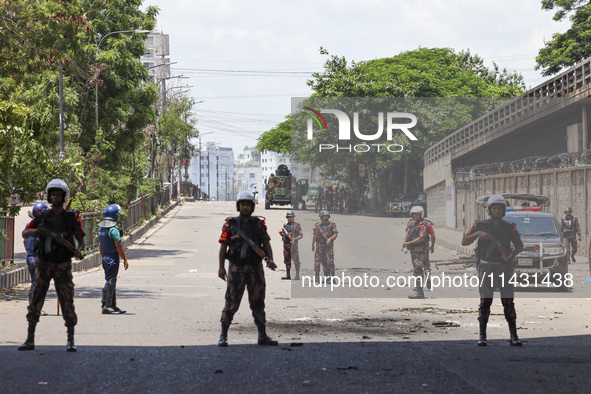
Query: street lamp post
[(98, 44)]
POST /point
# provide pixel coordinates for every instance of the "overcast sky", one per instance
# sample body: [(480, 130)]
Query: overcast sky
[(246, 59)]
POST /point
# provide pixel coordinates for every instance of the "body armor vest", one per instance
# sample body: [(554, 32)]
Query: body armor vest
[(239, 251)]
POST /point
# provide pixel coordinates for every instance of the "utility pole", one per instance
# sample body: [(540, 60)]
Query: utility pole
[(62, 155)]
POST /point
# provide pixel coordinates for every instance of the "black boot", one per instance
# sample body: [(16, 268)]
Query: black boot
[(265, 340), (114, 306), (223, 342), (104, 299), (30, 342), (109, 297), (317, 278), (482, 339), (418, 294), (297, 275), (70, 347), (287, 275), (514, 340)]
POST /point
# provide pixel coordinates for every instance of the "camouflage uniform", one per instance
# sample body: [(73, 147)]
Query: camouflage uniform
[(324, 254), (290, 246), (245, 271), (55, 262), (319, 200), (419, 252)]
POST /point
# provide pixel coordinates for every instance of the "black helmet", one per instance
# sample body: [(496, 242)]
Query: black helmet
[(290, 214), (324, 212)]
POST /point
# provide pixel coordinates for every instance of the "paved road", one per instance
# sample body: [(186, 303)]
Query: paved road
[(328, 342)]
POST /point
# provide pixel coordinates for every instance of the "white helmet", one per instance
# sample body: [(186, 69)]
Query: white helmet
[(496, 199), (417, 209), (57, 184), (245, 195)]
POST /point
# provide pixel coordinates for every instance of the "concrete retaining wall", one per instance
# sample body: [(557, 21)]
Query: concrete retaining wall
[(565, 187), (13, 277)]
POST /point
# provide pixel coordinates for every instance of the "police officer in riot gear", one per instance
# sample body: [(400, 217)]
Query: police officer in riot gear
[(495, 264), (31, 246), (111, 250), (569, 222), (245, 242)]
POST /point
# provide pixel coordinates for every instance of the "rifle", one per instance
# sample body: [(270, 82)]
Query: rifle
[(250, 242), (497, 245), (57, 237), (406, 239), (323, 240), (286, 237)]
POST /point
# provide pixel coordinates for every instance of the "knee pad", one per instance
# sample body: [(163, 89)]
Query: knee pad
[(112, 282)]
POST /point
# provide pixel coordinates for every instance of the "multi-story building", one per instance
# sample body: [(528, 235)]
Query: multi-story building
[(248, 174), (213, 171), (271, 160), (155, 60)]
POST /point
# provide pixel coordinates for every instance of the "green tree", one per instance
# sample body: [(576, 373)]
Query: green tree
[(566, 49), (438, 73), (176, 129), (35, 37), (278, 139), (109, 64)]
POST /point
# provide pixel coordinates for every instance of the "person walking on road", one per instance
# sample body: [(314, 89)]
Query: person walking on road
[(245, 242), (111, 251), (569, 222), (418, 233), (325, 232), (291, 233), (56, 229), (495, 264)]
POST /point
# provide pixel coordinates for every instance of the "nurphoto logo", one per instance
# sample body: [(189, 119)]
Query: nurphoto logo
[(395, 122)]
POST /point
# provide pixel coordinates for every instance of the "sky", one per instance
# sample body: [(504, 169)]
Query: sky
[(245, 60)]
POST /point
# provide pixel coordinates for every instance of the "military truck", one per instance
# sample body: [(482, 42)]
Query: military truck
[(282, 189)]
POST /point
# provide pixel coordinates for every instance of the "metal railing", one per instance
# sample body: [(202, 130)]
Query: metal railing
[(137, 210), (566, 84), (89, 223), (6, 238)]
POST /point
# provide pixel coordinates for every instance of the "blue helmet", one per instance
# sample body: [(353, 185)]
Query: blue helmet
[(39, 208), (112, 212)]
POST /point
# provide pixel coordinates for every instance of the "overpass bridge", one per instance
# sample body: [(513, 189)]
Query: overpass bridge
[(551, 119)]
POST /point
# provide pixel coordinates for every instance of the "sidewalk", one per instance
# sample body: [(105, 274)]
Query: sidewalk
[(13, 277), (452, 240)]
